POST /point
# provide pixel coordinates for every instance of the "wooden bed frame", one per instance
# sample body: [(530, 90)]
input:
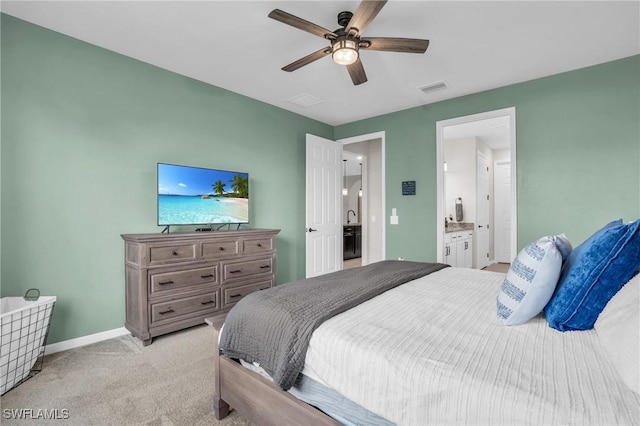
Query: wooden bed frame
[(254, 397)]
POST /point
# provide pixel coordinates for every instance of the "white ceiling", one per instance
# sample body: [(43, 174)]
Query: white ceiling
[(475, 46), (493, 132)]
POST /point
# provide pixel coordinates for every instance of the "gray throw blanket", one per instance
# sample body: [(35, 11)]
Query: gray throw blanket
[(273, 327)]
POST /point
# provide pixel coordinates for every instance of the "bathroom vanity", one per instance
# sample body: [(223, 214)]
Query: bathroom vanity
[(458, 244)]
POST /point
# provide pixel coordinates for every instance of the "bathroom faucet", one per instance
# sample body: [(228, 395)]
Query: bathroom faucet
[(354, 215)]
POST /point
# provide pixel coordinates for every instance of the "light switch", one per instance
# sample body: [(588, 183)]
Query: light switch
[(393, 220)]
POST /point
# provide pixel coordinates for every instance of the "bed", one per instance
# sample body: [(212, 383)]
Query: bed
[(429, 351)]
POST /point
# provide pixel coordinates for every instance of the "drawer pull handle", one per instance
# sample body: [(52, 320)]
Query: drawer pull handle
[(235, 271), (208, 302), (165, 282), (221, 248), (259, 245), (265, 266), (168, 311), (175, 253), (206, 276), (233, 296)]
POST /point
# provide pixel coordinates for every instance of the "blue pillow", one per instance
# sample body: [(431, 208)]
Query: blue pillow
[(577, 252), (531, 279), (593, 273)]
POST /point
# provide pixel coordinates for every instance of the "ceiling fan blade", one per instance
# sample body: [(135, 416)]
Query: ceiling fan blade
[(301, 24), (388, 44), (307, 59), (356, 71), (365, 13)]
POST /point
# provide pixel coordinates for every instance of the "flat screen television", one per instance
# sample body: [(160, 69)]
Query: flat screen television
[(198, 196)]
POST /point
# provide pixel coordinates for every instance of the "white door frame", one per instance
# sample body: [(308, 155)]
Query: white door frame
[(440, 125), (365, 186)]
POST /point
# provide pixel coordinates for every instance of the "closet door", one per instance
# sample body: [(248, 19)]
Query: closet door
[(482, 212), (502, 207)]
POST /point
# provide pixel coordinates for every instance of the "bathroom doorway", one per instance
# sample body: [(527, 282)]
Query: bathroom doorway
[(464, 146)]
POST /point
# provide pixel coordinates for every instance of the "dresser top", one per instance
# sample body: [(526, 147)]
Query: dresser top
[(175, 236)]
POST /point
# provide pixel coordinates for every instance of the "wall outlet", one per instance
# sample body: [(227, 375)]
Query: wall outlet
[(400, 258)]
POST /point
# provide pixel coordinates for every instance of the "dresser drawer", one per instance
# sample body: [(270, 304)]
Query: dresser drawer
[(257, 245), (188, 305), (215, 249), (167, 282), (231, 295), (172, 253), (234, 270)]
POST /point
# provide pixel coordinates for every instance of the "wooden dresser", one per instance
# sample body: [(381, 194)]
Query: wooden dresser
[(174, 281)]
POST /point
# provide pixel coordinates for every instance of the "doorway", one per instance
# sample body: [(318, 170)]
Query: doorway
[(482, 140), (354, 202), (365, 196)]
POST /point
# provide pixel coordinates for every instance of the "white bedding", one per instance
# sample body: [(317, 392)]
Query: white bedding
[(430, 351)]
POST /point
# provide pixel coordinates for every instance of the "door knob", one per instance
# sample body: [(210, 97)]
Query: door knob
[(311, 230)]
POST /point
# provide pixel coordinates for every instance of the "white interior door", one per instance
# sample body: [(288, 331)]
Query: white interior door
[(323, 206), (482, 211), (502, 208)]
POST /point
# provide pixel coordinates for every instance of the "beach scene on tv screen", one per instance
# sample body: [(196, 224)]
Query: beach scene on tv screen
[(191, 195)]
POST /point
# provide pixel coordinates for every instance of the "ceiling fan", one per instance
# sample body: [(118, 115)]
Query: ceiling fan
[(346, 42)]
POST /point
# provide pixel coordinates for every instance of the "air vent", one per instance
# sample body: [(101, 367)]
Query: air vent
[(433, 87), (304, 100)]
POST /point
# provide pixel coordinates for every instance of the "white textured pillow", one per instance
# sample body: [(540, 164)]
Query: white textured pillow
[(563, 245), (618, 327), (530, 282)]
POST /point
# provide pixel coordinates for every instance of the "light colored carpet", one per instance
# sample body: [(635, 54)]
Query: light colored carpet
[(121, 382), (498, 267)]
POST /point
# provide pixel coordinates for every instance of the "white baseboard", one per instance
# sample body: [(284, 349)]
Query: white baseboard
[(85, 340)]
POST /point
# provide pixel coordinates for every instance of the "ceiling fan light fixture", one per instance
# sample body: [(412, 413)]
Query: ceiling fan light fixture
[(346, 41), (345, 51)]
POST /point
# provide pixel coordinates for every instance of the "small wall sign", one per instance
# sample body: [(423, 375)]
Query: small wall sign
[(409, 187)]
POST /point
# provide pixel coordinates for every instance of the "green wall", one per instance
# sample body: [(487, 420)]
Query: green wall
[(577, 155), (83, 129)]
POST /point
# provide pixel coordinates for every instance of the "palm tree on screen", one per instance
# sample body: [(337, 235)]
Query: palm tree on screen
[(218, 187), (240, 185)]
